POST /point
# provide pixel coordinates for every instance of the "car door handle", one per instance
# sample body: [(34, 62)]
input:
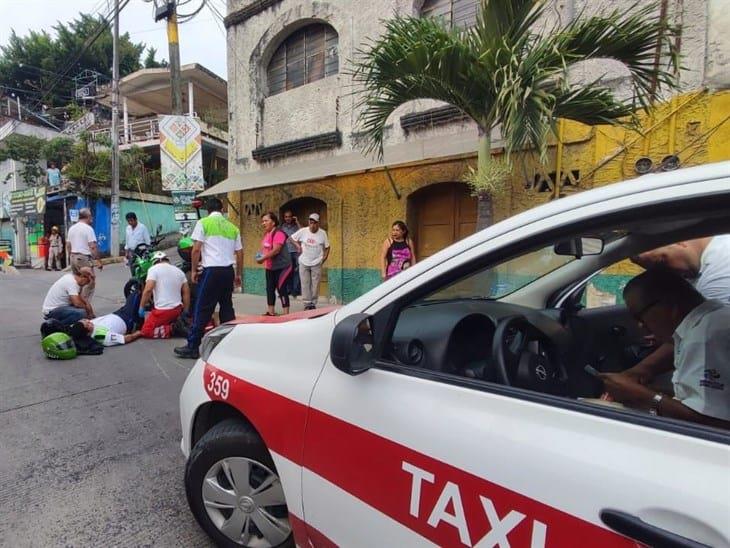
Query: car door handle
[(640, 531)]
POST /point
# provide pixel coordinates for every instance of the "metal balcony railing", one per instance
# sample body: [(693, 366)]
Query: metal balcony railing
[(137, 131)]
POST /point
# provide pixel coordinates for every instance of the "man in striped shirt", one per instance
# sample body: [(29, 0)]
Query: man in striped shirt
[(217, 248)]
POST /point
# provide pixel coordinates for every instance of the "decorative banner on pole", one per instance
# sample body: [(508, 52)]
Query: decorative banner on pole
[(30, 202), (181, 153)]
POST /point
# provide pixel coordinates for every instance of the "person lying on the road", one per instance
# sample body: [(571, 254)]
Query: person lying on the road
[(168, 287), (64, 302), (668, 305), (119, 327)]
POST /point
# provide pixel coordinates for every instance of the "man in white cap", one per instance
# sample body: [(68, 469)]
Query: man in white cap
[(314, 248), (168, 287)]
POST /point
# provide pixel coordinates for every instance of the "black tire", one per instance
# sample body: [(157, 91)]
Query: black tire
[(131, 286), (229, 438)]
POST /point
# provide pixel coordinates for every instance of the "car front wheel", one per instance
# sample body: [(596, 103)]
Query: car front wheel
[(234, 491)]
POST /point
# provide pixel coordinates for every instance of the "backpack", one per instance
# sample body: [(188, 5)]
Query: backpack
[(283, 259)]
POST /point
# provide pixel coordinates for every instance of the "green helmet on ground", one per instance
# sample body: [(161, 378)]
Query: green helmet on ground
[(59, 346)]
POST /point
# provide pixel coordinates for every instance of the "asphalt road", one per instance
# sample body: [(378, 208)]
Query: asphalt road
[(89, 448)]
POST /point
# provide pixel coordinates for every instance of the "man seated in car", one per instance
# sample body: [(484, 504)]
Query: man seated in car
[(705, 263), (673, 310)]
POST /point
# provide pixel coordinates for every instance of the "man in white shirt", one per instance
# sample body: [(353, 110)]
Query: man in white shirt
[(81, 244), (218, 248), (64, 302), (314, 248), (168, 287), (136, 234), (675, 311), (705, 263), (113, 329)]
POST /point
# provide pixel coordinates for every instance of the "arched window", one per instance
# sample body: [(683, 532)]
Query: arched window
[(457, 13), (307, 55)]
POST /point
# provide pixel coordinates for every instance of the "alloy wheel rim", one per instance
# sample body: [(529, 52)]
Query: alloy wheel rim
[(245, 501)]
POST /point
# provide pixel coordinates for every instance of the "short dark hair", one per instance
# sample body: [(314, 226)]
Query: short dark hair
[(662, 285), (214, 204), (131, 216), (78, 331)]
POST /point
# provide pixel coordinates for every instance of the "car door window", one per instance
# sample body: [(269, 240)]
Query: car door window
[(606, 287)]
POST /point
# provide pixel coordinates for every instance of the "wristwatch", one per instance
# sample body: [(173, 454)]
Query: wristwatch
[(655, 401)]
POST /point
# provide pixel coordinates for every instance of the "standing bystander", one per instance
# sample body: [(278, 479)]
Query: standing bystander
[(54, 175), (275, 258), (289, 227), (218, 246), (314, 247), (136, 234), (55, 249), (83, 250), (168, 287)]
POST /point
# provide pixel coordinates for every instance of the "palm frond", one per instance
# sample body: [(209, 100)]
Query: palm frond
[(415, 59), (628, 36)]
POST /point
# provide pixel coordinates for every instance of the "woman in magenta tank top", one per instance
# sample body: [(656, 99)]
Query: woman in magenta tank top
[(397, 253)]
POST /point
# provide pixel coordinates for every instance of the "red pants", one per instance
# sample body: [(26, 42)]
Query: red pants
[(158, 323)]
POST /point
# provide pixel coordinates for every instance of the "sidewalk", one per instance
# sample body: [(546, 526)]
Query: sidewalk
[(246, 303)]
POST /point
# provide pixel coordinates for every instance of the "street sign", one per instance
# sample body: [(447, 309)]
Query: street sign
[(73, 214), (186, 216), (30, 202)]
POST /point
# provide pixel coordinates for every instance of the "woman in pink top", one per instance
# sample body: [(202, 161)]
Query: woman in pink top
[(277, 262), (397, 253)]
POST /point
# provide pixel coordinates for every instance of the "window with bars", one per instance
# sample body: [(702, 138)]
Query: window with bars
[(307, 55), (457, 13)]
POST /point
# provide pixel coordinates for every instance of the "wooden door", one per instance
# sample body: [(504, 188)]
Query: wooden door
[(445, 213)]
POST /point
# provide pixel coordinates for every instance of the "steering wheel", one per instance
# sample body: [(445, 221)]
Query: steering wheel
[(526, 358)]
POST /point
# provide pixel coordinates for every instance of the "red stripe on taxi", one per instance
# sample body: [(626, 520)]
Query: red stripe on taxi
[(444, 504), (305, 535)]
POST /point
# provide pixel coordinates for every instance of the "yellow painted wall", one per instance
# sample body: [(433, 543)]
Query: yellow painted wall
[(361, 208)]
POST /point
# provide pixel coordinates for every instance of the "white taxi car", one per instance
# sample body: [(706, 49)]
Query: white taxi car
[(451, 406)]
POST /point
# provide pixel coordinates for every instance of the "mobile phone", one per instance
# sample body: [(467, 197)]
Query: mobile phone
[(592, 371)]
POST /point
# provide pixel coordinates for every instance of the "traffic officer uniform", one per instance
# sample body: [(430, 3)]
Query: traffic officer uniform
[(221, 240)]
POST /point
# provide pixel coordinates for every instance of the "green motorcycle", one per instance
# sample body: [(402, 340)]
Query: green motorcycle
[(141, 263)]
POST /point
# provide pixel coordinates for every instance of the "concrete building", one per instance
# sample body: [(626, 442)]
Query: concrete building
[(15, 231), (294, 143), (145, 95)]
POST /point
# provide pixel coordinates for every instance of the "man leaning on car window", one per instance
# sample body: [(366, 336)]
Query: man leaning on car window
[(674, 311)]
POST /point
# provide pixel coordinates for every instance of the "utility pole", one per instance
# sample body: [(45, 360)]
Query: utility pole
[(114, 231), (174, 51)]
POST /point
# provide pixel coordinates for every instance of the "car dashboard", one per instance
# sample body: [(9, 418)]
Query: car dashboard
[(456, 336)]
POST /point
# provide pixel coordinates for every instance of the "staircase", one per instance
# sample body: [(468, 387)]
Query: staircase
[(8, 128)]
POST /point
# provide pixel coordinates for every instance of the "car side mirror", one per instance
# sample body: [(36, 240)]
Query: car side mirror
[(351, 347), (579, 247)]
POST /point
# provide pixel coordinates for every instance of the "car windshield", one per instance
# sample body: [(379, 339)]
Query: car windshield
[(499, 281)]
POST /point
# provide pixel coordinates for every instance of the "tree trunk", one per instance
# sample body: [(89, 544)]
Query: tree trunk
[(485, 215)]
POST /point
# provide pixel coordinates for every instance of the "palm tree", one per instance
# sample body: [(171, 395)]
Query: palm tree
[(503, 73)]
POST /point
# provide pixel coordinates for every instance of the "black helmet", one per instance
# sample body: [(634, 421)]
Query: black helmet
[(52, 326)]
